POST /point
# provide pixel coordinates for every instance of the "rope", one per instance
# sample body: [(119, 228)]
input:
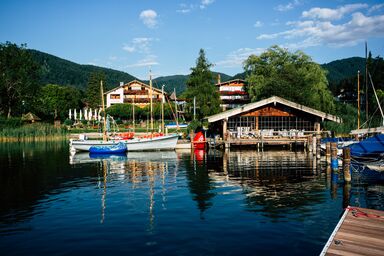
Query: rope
[(359, 213)]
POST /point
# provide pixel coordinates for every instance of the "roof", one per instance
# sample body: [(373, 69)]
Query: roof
[(274, 100), (30, 117), (136, 82), (231, 81)]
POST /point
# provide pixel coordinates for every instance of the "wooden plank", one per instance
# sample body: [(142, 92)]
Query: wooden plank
[(359, 232)]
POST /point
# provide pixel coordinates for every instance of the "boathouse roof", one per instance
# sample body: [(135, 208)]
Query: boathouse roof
[(274, 99)]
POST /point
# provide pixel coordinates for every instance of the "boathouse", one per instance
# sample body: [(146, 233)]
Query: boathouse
[(270, 121)]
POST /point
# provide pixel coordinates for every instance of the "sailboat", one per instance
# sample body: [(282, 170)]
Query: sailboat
[(147, 143)]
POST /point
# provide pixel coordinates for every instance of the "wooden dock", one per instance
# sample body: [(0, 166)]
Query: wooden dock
[(360, 231), (268, 141)]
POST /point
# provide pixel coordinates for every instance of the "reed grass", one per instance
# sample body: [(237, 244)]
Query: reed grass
[(33, 132)]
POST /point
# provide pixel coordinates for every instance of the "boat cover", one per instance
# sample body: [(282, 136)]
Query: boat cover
[(371, 146), (109, 149)]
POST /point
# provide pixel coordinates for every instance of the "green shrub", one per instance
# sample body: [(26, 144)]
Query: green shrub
[(68, 122)]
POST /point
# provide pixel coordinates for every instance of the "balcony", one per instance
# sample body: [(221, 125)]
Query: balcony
[(141, 100), (135, 92)]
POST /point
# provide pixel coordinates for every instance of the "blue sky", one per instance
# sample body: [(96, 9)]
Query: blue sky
[(133, 36)]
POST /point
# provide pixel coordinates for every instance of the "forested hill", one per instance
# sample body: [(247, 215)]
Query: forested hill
[(56, 70), (336, 70), (179, 82), (63, 72), (345, 68)]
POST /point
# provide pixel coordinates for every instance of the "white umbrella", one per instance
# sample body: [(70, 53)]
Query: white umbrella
[(70, 114), (90, 114), (95, 116), (74, 115), (81, 115), (85, 114)]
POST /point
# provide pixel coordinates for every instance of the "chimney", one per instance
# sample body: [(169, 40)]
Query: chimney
[(218, 79)]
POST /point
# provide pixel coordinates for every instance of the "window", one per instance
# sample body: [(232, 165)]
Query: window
[(115, 96)]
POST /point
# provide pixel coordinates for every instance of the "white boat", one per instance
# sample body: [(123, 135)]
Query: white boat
[(166, 142), (378, 166)]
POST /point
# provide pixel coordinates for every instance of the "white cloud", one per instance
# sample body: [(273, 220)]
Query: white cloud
[(184, 8), (325, 26), (237, 58), (139, 44), (205, 3), (332, 14), (375, 7), (147, 61), (149, 18), (258, 24), (287, 7)]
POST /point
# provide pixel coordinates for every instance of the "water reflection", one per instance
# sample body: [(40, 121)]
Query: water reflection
[(165, 202), (135, 168), (274, 183)]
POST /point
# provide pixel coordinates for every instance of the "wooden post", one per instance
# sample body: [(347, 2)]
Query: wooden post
[(334, 160), (346, 194), (310, 145), (318, 138), (225, 122), (328, 153), (335, 170), (347, 164), (313, 145)]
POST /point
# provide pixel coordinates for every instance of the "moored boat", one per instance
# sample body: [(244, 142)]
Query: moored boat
[(371, 148), (165, 142)]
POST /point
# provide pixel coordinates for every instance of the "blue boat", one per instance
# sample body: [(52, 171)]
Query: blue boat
[(117, 148), (370, 148)]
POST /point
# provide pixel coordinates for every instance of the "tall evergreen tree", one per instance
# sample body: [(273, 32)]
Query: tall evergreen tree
[(93, 98), (19, 76), (200, 85)]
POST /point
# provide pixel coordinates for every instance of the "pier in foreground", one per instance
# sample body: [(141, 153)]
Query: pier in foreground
[(360, 231)]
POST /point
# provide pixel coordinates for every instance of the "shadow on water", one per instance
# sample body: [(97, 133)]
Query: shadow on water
[(29, 173)]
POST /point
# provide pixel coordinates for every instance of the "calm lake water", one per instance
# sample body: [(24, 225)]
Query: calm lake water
[(169, 203)]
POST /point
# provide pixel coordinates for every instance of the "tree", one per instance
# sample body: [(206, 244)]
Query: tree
[(56, 100), (200, 85), (93, 98), (293, 76), (19, 76)]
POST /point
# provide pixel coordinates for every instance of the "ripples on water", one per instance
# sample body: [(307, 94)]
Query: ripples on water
[(169, 203)]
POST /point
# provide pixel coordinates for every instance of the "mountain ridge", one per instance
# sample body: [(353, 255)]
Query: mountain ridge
[(56, 70)]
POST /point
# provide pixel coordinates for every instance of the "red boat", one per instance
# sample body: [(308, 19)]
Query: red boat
[(199, 141)]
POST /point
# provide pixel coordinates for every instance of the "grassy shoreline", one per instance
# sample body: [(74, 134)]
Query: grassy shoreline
[(48, 132), (33, 132)]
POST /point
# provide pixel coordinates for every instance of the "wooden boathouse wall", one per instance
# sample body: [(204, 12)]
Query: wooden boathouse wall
[(273, 121)]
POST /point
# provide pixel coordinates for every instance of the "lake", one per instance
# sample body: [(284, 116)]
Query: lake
[(170, 203)]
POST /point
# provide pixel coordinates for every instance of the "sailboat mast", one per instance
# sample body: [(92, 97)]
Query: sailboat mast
[(162, 108), (377, 99), (366, 81), (103, 108), (133, 113), (151, 100), (358, 99), (177, 116)]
